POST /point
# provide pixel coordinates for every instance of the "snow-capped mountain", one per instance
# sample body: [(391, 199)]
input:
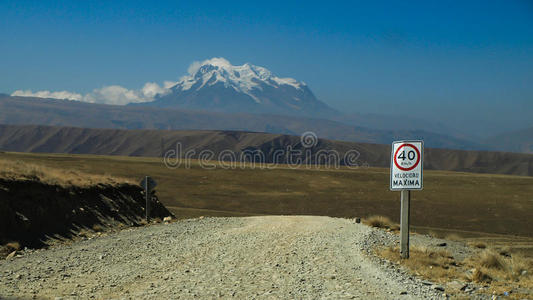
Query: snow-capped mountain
[(216, 85)]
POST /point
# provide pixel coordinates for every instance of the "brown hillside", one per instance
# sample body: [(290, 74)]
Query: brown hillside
[(39, 111), (47, 139)]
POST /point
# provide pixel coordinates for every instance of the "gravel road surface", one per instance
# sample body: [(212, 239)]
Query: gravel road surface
[(270, 257)]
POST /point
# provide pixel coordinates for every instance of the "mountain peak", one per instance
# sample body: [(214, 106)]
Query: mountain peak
[(216, 84), (242, 78)]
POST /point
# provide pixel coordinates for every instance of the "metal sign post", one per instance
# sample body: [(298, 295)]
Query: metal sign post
[(148, 184), (404, 224), (406, 175)]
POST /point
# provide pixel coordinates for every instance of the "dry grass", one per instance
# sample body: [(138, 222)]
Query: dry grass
[(19, 170), (491, 260), (97, 228), (480, 276), (478, 244), (381, 222), (519, 265), (502, 273), (13, 246), (453, 237), (84, 233), (505, 251), (8, 248), (503, 268), (438, 265), (434, 234)]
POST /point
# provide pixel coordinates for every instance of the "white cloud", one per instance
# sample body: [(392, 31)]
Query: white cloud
[(112, 94), (151, 89), (118, 95), (48, 94)]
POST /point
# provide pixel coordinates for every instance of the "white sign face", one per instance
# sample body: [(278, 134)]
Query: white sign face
[(406, 170)]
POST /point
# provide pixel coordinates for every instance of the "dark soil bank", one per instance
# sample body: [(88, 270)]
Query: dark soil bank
[(31, 211)]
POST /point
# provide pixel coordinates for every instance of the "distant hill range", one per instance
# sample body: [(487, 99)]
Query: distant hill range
[(39, 111), (55, 139), (514, 141)]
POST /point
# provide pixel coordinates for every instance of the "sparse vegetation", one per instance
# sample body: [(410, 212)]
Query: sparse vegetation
[(98, 228), (480, 276), (19, 170), (381, 222), (453, 237), (478, 244), (502, 268), (84, 233), (8, 248), (13, 246), (490, 260), (434, 234), (484, 267), (436, 264), (505, 251)]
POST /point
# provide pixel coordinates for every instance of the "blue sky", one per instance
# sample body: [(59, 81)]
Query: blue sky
[(467, 63)]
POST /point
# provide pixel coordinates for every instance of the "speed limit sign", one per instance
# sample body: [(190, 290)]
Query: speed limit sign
[(406, 168), (406, 165)]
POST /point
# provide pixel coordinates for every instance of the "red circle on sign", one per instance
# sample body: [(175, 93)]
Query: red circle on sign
[(417, 160)]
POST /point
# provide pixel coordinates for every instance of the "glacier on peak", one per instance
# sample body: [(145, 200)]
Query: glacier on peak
[(242, 78)]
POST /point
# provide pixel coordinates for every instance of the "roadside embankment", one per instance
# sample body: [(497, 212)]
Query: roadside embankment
[(39, 204)]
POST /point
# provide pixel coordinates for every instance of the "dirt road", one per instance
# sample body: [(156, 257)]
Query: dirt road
[(273, 257)]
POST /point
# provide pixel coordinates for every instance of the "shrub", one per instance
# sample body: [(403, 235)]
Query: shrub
[(381, 222), (491, 260), (13, 246), (480, 276), (453, 237), (98, 228), (478, 244)]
